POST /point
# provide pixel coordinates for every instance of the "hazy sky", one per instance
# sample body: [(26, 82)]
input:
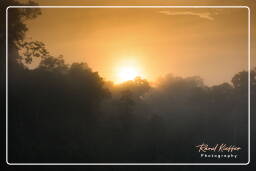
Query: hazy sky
[(211, 43)]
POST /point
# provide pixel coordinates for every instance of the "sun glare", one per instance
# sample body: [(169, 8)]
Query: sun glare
[(128, 68), (127, 73)]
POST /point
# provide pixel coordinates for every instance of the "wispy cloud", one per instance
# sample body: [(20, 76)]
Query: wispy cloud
[(204, 15)]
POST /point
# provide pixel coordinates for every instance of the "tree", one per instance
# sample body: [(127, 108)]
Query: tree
[(16, 32), (50, 63), (137, 87), (240, 81), (16, 20)]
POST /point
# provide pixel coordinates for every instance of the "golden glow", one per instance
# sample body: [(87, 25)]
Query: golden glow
[(122, 43), (127, 73), (127, 69)]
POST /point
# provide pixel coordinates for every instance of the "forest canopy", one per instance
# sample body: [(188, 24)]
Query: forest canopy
[(62, 112)]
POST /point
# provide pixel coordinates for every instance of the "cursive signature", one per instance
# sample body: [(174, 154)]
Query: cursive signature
[(217, 148)]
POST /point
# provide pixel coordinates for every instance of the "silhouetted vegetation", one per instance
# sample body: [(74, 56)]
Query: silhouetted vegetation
[(68, 113)]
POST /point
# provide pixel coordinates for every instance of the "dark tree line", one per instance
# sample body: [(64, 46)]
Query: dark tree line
[(68, 113)]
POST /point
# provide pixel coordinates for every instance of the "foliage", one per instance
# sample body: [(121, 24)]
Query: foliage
[(68, 113)]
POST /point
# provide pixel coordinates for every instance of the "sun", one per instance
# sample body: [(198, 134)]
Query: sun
[(127, 73), (128, 68)]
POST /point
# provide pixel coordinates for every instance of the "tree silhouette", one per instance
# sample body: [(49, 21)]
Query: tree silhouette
[(69, 113)]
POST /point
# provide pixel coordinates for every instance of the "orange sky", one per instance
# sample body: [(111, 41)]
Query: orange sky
[(211, 43)]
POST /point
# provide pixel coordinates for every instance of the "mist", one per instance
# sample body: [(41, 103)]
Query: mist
[(59, 112)]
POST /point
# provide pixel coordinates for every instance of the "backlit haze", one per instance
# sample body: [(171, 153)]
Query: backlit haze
[(121, 44)]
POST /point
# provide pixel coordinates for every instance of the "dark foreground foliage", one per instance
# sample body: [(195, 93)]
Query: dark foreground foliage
[(68, 113)]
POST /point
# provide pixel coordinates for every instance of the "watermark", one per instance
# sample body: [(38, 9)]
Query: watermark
[(218, 151), (218, 156)]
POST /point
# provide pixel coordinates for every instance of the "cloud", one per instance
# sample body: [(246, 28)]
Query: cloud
[(205, 15)]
